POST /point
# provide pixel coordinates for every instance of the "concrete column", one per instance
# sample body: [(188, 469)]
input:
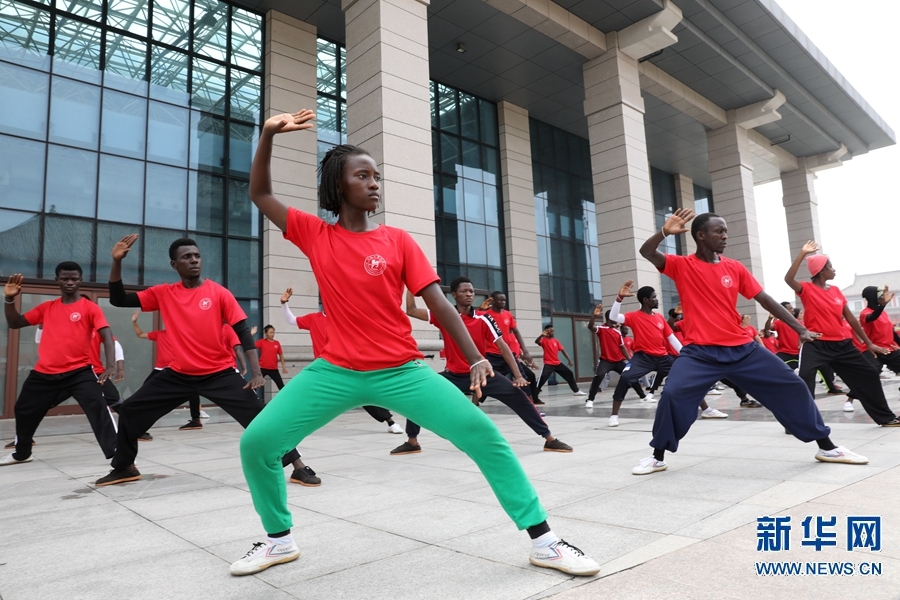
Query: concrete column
[(621, 174), (290, 84), (731, 170), (389, 114), (524, 293), (684, 198), (800, 206)]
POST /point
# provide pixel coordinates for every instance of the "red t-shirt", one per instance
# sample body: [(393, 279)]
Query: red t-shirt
[(610, 343), (880, 331), (856, 341), (650, 332), (771, 343), (482, 328), (190, 314), (551, 347), (629, 343), (361, 279), (506, 322), (823, 311), (66, 338), (268, 353), (708, 293), (752, 331), (317, 326), (788, 339), (163, 348), (96, 359)]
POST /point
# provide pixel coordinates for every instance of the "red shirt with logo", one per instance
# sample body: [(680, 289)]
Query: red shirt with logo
[(482, 328), (506, 322), (823, 311), (708, 293), (268, 353), (610, 343), (66, 337), (361, 278), (650, 332), (163, 349), (317, 326), (880, 331), (552, 348), (629, 343), (191, 315), (788, 339)]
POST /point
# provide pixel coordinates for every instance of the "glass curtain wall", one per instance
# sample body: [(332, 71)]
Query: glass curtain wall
[(664, 204), (331, 101), (703, 200), (467, 200), (130, 116)]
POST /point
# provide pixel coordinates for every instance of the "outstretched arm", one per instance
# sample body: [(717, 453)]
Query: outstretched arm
[(109, 349), (598, 311), (12, 289), (615, 313), (261, 192), (861, 334), (781, 313), (526, 355), (883, 300), (117, 294), (507, 355), (790, 277), (285, 309), (674, 225), (137, 328), (412, 310)]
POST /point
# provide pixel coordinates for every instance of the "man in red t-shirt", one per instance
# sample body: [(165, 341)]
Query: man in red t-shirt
[(552, 347), (483, 330), (716, 346), (614, 356), (200, 363), (878, 326), (495, 305), (64, 364), (270, 353)]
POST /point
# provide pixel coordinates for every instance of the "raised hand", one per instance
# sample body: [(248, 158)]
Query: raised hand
[(135, 315), (13, 286), (286, 122), (598, 310), (886, 297), (486, 303), (120, 250), (253, 331), (678, 309), (809, 247), (676, 224), (287, 295), (625, 290)]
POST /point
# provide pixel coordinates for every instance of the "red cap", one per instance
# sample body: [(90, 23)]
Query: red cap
[(815, 263)]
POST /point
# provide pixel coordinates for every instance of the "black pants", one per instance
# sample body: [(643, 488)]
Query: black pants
[(500, 366), (382, 415), (193, 403), (639, 365), (875, 365), (503, 390), (563, 370), (827, 374), (272, 374), (167, 390), (857, 372), (891, 361), (39, 393), (737, 389), (603, 368), (791, 360)]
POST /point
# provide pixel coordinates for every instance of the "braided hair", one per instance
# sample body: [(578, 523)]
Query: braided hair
[(330, 171)]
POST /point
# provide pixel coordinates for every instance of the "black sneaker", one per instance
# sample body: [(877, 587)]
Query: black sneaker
[(305, 476), (557, 445), (192, 424), (539, 402), (406, 448), (119, 476), (145, 437), (750, 403), (12, 444), (836, 391), (891, 423)]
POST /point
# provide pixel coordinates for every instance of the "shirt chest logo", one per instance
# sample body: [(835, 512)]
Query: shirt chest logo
[(375, 264), (726, 281), (838, 301), (75, 317), (205, 304), (659, 325)]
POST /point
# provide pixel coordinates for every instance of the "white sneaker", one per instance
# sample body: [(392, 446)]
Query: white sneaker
[(395, 428), (203, 414), (565, 557), (264, 555), (9, 460), (711, 413), (614, 420), (580, 393), (714, 392), (648, 398), (649, 465), (841, 455), (848, 406), (589, 404)]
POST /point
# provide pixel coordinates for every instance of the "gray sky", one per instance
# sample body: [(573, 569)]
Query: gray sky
[(859, 202)]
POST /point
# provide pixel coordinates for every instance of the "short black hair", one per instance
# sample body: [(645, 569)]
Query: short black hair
[(497, 293), (606, 314), (454, 285), (785, 304), (268, 327), (645, 293), (173, 248), (69, 265), (700, 222), (546, 327), (331, 170)]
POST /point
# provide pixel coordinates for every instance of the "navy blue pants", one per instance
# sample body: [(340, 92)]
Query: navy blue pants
[(640, 364), (752, 367)]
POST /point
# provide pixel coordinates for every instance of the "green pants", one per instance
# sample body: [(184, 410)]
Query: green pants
[(323, 391)]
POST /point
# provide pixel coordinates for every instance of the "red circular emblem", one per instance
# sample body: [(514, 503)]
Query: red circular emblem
[(205, 304), (75, 316), (375, 264), (726, 281)]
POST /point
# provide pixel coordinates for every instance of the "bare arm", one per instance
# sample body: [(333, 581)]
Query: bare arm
[(109, 350), (261, 192), (412, 310), (507, 355), (674, 225), (861, 334), (625, 351), (790, 277), (598, 311), (566, 354), (137, 328), (781, 313), (526, 355), (12, 289)]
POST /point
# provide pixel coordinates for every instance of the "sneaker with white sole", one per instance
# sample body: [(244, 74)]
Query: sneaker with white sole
[(649, 465), (589, 404), (711, 413), (264, 555), (714, 392), (564, 557), (614, 420), (579, 393), (395, 428), (203, 414), (841, 455), (10, 460), (848, 406), (648, 398)]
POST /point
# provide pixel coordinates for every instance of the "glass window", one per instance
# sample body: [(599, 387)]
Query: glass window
[(20, 234), (208, 87), (211, 29), (157, 267), (242, 145), (476, 247), (474, 199), (172, 22), (126, 64), (448, 109), (121, 196), (211, 251), (91, 9), (246, 39), (167, 134), (468, 115), (326, 67), (66, 238), (74, 113), (24, 35), (243, 267), (124, 120), (206, 203), (76, 52), (107, 236), (207, 142), (23, 95), (130, 15), (245, 96), (488, 113), (21, 174), (493, 246), (165, 203), (72, 190), (169, 75), (243, 216)]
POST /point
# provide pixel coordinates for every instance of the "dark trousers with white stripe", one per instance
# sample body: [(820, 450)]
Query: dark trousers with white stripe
[(603, 368), (640, 364), (41, 392), (499, 365), (382, 415), (561, 370)]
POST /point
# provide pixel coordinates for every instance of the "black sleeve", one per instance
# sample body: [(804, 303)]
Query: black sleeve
[(875, 313), (243, 333), (119, 297)]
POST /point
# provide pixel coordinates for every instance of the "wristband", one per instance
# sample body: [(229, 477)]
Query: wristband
[(9, 299), (662, 230), (483, 360)]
